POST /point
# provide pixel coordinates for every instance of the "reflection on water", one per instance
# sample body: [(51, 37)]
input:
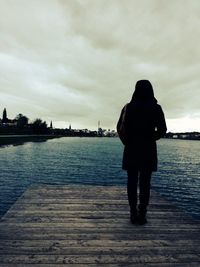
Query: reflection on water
[(98, 161), (17, 140)]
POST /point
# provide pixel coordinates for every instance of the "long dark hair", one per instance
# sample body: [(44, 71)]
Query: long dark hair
[(143, 92)]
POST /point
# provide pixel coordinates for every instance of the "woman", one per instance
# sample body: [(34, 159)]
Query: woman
[(144, 123)]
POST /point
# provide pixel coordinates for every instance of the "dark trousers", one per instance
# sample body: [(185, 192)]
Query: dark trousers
[(144, 179)]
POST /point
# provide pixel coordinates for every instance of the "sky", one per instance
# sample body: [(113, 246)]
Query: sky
[(76, 62)]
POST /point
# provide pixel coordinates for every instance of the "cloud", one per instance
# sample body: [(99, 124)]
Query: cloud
[(78, 61)]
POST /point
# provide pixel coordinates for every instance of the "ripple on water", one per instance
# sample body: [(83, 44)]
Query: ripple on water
[(98, 161)]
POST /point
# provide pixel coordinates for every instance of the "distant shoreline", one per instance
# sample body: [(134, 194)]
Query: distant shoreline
[(6, 140)]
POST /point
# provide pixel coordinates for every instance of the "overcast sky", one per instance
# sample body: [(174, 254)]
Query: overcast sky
[(77, 62)]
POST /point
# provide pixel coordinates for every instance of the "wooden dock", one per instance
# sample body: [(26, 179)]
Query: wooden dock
[(80, 226)]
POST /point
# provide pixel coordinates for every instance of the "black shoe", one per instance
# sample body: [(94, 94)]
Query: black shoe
[(141, 219), (133, 217)]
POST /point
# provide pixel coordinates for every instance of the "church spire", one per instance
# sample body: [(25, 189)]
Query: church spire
[(4, 119)]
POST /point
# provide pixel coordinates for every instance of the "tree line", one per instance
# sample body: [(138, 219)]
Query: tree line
[(21, 125)]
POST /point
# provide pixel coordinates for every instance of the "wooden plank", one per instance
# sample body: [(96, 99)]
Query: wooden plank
[(158, 264), (92, 251), (120, 222), (80, 207), (89, 226), (101, 236), (193, 264), (79, 191), (100, 243), (98, 259), (12, 213), (80, 213)]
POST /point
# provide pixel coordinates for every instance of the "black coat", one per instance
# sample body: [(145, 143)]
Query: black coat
[(144, 124)]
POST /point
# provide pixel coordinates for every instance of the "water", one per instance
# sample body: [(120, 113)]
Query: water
[(98, 161)]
